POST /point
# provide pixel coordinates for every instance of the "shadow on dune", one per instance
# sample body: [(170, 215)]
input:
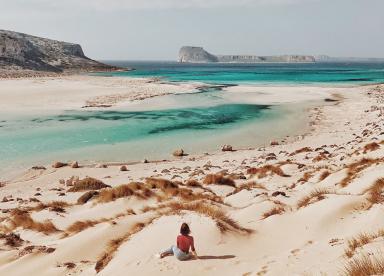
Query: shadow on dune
[(223, 257)]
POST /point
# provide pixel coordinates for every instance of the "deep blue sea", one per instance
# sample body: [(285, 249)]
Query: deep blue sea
[(197, 122)]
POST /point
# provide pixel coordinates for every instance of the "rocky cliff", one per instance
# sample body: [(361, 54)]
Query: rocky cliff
[(199, 55), (25, 52)]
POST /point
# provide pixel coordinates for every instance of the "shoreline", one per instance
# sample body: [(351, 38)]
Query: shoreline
[(6, 74)]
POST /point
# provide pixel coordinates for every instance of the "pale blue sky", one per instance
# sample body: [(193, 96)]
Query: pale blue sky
[(156, 29)]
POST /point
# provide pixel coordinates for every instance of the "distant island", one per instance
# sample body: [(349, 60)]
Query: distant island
[(192, 54), (26, 53)]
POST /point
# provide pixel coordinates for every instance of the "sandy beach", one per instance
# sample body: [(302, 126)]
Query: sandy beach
[(86, 92), (309, 204), (55, 94)]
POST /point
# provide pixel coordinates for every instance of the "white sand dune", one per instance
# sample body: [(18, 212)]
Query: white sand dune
[(235, 229)]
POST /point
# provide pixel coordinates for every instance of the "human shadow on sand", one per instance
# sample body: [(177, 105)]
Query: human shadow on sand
[(223, 257)]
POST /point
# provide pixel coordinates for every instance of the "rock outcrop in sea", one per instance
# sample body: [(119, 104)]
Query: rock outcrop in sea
[(20, 52), (195, 54), (199, 55)]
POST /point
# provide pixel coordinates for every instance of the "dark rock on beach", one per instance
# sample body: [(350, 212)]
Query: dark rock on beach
[(178, 152), (226, 148), (57, 165)]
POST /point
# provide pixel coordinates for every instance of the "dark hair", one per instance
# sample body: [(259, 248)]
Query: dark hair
[(184, 229)]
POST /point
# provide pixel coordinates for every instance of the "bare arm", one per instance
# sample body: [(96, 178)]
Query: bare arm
[(194, 254)]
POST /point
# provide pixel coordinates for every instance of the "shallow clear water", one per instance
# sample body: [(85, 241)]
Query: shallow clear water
[(196, 122), (75, 129), (128, 136)]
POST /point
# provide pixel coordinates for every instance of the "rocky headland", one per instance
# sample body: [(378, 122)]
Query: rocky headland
[(25, 55)]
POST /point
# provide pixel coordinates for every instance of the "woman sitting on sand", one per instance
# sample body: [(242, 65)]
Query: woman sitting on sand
[(184, 242)]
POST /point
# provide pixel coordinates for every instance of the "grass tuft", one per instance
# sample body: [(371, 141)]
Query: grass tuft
[(86, 184), (314, 196), (79, 226), (114, 245), (274, 211), (324, 175), (360, 240), (306, 176), (355, 168), (188, 195), (223, 222), (371, 147), (247, 186), (364, 265), (136, 186), (54, 206), (23, 219), (375, 192), (219, 179), (193, 183), (160, 183), (267, 169), (305, 149), (86, 197), (12, 239), (111, 194)]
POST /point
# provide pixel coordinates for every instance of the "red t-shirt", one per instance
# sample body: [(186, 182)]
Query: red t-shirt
[(184, 243)]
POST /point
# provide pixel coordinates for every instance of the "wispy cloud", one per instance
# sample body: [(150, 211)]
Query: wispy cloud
[(181, 4), (140, 4)]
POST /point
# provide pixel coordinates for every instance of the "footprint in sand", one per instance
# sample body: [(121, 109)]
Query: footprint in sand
[(263, 271), (271, 261), (295, 251), (309, 242), (207, 268), (237, 262), (335, 241)]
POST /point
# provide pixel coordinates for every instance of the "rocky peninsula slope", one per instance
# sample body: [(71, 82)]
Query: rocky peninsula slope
[(23, 54)]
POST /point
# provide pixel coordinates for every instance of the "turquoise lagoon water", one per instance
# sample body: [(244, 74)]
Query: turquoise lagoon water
[(272, 73), (75, 129), (197, 122), (203, 123)]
